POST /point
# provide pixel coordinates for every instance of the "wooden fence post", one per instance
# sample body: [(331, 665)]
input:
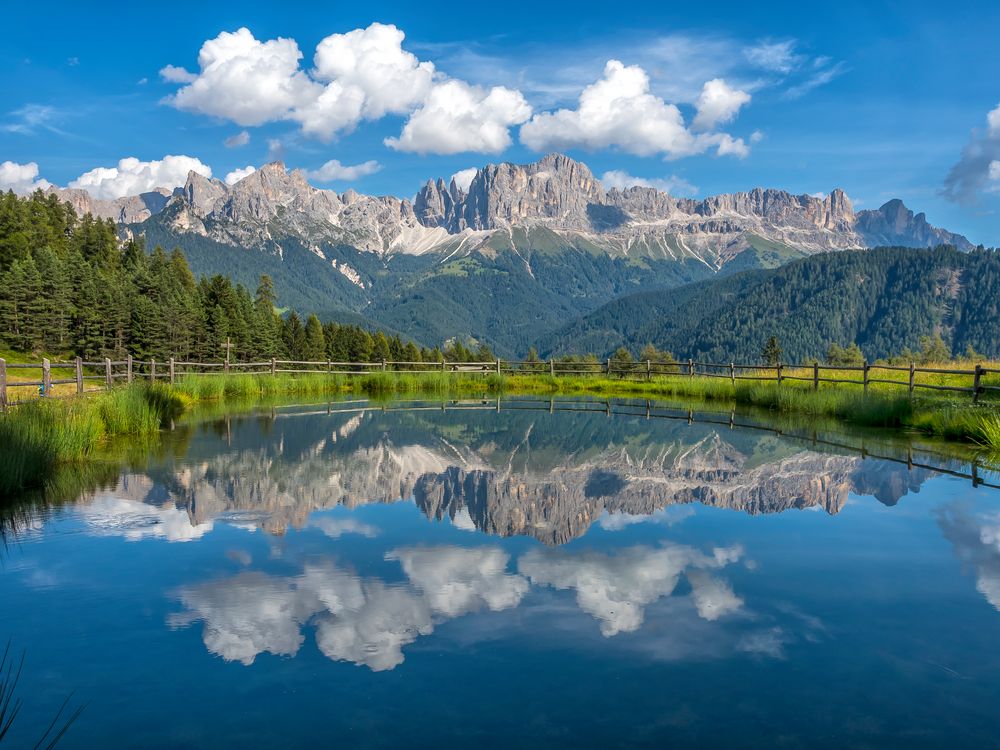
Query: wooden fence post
[(608, 367), (152, 370), (383, 365), (552, 367), (912, 369), (274, 365), (46, 378), (649, 370), (691, 368), (171, 370), (3, 384), (79, 375), (329, 367), (975, 383), (732, 372), (865, 375), (108, 379), (498, 367), (442, 364), (128, 368), (815, 376), (778, 369)]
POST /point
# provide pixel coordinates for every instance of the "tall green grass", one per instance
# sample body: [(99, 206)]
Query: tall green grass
[(36, 437)]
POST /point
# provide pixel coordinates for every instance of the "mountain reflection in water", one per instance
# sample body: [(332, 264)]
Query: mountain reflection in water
[(514, 473)]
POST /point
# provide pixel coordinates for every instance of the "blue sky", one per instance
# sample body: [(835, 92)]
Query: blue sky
[(881, 99)]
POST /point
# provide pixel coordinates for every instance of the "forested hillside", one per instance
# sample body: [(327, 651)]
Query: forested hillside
[(69, 286), (884, 300)]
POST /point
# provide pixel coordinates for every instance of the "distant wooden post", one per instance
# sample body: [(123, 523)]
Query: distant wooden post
[(79, 375), (128, 368), (865, 374), (649, 370), (778, 369), (732, 372), (691, 368), (171, 371), (46, 378), (152, 370), (912, 370), (442, 364), (274, 365), (383, 365), (815, 376), (975, 383), (552, 367), (228, 346), (108, 379), (3, 384), (608, 367), (329, 367), (498, 367)]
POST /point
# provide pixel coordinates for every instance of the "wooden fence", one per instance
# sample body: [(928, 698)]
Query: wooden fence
[(106, 374)]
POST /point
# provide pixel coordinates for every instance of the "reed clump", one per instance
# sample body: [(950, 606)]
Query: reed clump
[(38, 436)]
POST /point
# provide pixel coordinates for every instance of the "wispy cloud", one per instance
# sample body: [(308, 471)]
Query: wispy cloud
[(824, 72), (31, 118)]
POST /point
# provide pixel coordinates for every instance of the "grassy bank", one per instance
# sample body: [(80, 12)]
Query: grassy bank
[(941, 416), (37, 437)]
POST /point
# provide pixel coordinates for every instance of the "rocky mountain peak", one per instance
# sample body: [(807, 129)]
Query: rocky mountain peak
[(894, 224)]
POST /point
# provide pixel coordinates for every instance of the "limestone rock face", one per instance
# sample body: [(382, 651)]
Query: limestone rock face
[(895, 224), (131, 209), (555, 193)]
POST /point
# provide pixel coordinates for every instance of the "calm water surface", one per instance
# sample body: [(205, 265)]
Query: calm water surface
[(545, 574)]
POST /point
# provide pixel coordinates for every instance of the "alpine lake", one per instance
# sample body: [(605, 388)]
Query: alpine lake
[(521, 572)]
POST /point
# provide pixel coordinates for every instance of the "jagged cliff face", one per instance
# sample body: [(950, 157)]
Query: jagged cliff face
[(555, 193), (132, 209)]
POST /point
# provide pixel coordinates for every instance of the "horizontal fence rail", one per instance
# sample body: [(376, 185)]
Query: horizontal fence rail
[(106, 374)]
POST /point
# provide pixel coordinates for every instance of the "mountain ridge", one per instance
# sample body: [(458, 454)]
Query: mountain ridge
[(555, 192)]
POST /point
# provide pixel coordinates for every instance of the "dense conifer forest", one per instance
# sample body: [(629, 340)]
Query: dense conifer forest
[(69, 285), (875, 303)]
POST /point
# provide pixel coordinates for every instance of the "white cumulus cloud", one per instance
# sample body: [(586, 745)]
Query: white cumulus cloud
[(620, 111), (333, 170), (457, 117), (617, 178), (373, 61), (360, 620), (238, 174), (109, 515), (21, 178), (615, 589), (244, 80), (364, 74), (133, 176), (718, 104), (463, 178)]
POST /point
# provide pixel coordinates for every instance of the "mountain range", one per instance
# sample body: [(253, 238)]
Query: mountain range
[(523, 250)]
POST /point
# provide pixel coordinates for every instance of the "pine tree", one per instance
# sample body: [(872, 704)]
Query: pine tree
[(380, 350), (315, 342), (772, 351)]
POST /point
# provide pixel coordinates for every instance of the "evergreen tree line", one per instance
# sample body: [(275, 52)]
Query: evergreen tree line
[(69, 285)]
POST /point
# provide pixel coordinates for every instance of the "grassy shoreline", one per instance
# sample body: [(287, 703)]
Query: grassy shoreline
[(38, 437)]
